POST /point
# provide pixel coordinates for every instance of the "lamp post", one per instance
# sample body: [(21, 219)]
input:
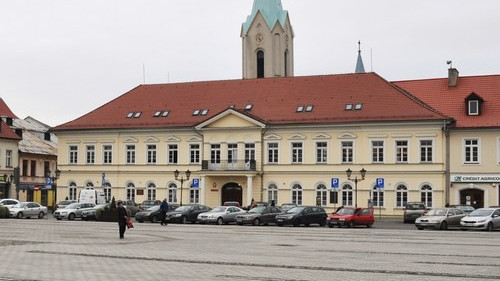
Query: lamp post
[(54, 186), (356, 180), (176, 174)]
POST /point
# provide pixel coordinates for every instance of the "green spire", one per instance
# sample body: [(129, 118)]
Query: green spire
[(271, 10), (360, 68)]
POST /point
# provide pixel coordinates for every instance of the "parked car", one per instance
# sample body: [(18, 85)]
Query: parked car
[(440, 219), (146, 204), (72, 211), (130, 206), (232, 203), (153, 213), (28, 210), (350, 216), (413, 210), (64, 203), (8, 202), (482, 218), (305, 215), (287, 206), (186, 213), (464, 208), (221, 215), (259, 215), (90, 214)]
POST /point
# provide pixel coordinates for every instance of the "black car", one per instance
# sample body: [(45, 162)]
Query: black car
[(305, 215), (259, 215), (186, 213), (153, 214)]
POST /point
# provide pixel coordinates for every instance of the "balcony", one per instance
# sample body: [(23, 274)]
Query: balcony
[(225, 165)]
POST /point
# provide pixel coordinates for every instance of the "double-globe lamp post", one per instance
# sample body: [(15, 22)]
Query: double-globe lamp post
[(356, 180), (176, 174)]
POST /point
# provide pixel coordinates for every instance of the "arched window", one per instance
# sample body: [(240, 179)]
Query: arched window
[(194, 195), (89, 185), (260, 64), (172, 193), (72, 191), (131, 191), (347, 195), (297, 194), (151, 191), (378, 197), (401, 196), (272, 193), (321, 195), (426, 195), (107, 191)]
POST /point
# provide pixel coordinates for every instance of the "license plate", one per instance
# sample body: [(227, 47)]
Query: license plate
[(279, 220)]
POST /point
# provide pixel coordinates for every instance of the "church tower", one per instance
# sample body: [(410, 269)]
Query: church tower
[(267, 37)]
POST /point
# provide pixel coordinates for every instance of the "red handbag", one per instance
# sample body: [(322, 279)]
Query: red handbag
[(129, 223)]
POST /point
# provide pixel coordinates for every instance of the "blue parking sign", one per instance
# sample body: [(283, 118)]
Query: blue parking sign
[(335, 183), (196, 183), (380, 183)]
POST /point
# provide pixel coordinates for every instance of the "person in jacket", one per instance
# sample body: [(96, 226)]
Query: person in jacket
[(122, 218), (163, 211)]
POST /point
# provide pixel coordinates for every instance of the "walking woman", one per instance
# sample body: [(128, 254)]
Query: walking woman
[(122, 218)]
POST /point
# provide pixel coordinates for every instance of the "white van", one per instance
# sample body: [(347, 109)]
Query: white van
[(92, 196)]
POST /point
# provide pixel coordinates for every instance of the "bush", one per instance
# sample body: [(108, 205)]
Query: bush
[(4, 212)]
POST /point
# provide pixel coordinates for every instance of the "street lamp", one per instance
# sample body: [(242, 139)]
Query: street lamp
[(356, 180), (176, 174)]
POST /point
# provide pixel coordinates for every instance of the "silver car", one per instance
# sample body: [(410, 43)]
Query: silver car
[(73, 211), (8, 202), (440, 219), (28, 210), (221, 215), (483, 219)]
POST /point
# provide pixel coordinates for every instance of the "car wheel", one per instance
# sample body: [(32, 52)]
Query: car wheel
[(444, 225), (154, 219), (369, 225), (490, 227), (41, 215), (183, 220), (330, 226), (59, 219), (279, 224), (350, 224), (239, 223), (256, 222), (296, 222), (20, 215), (220, 221), (307, 225), (71, 217), (420, 228)]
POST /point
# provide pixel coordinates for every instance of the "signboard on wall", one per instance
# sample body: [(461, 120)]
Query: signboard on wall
[(475, 178)]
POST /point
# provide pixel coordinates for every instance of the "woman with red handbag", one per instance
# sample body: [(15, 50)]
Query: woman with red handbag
[(122, 218)]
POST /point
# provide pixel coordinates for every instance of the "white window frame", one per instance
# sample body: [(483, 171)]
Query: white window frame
[(8, 158), (400, 155), (72, 191), (272, 193), (298, 150), (107, 191), (73, 154), (173, 154), (464, 151), (215, 154), (377, 161), (194, 195), (249, 152), (348, 190), (172, 192), (400, 193), (321, 152), (151, 191), (232, 153), (378, 193), (130, 153), (151, 154), (347, 149), (473, 104), (131, 191), (275, 153), (425, 193), (107, 154), (194, 153), (90, 154), (322, 193), (426, 151), (297, 194)]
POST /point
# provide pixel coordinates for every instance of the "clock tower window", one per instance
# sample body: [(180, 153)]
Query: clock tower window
[(260, 64)]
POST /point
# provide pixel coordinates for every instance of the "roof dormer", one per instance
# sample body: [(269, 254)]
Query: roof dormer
[(473, 104)]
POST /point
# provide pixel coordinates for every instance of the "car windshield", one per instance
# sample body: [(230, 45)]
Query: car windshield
[(64, 202), (295, 210), (437, 212), (480, 213), (154, 208), (183, 209), (257, 209), (218, 209), (345, 211), (101, 206), (20, 205), (415, 206), (72, 206)]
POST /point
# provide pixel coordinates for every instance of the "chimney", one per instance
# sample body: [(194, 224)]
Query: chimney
[(452, 77), (19, 132)]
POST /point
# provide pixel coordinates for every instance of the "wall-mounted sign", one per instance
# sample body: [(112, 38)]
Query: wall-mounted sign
[(475, 178)]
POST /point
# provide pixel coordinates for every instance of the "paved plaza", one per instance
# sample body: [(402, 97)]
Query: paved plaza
[(48, 249)]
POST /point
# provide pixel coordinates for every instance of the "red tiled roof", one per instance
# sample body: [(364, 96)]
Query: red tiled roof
[(451, 100), (7, 133), (274, 100), (5, 110)]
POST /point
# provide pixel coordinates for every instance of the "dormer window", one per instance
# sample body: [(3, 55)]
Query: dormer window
[(137, 114), (249, 106), (204, 112), (474, 104), (196, 112), (348, 106), (473, 107), (309, 108), (300, 108)]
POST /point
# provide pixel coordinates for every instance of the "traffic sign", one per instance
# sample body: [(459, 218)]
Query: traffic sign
[(196, 183), (380, 183), (335, 183), (48, 183)]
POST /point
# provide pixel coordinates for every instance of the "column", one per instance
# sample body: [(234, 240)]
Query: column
[(249, 190), (203, 189)]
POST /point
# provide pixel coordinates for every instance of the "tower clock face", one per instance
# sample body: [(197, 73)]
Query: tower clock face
[(259, 38)]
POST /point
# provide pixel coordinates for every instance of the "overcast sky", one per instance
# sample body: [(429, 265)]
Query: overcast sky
[(62, 59)]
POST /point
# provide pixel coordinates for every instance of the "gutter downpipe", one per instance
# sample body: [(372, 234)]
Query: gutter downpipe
[(446, 131), (261, 172)]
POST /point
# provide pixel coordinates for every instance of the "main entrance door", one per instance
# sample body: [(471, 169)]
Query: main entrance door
[(231, 192), (473, 197)]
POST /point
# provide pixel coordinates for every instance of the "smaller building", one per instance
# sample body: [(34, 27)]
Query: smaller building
[(8, 151)]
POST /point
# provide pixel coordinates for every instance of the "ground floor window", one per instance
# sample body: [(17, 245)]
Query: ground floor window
[(347, 196), (297, 194), (194, 196), (131, 192), (378, 197), (172, 193), (426, 195), (401, 196), (107, 191), (72, 191), (321, 195), (151, 191), (272, 193)]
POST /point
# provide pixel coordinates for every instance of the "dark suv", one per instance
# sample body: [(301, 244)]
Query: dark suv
[(413, 210), (305, 215)]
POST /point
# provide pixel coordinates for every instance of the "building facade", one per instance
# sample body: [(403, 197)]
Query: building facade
[(8, 152)]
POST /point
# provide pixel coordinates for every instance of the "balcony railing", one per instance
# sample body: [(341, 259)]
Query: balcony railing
[(225, 165)]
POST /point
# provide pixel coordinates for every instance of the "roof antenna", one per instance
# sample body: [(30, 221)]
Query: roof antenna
[(450, 63)]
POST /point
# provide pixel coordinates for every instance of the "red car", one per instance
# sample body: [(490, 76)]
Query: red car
[(350, 216)]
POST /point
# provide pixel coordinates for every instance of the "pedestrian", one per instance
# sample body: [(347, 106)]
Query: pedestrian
[(122, 218), (273, 203), (163, 211)]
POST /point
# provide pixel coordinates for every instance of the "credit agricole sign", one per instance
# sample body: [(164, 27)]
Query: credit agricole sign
[(475, 178)]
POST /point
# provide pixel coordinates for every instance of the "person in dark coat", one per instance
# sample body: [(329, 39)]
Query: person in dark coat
[(164, 211), (122, 219)]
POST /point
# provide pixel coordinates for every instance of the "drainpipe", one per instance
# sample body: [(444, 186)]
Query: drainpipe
[(446, 131), (262, 155)]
